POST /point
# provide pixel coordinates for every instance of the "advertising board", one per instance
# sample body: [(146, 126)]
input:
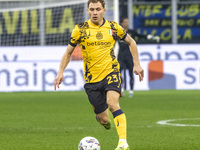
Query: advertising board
[(35, 68)]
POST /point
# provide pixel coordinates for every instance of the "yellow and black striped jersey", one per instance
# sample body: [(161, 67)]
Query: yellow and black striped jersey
[(97, 46)]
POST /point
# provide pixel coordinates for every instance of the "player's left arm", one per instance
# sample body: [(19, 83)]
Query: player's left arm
[(134, 51)]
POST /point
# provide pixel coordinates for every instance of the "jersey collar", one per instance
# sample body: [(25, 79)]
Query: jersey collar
[(103, 22)]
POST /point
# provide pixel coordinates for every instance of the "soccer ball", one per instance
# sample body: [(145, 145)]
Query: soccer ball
[(89, 143)]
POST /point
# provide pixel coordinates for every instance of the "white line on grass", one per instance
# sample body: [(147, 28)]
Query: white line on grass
[(166, 122)]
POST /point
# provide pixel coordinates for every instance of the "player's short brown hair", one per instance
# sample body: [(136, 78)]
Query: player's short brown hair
[(96, 1)]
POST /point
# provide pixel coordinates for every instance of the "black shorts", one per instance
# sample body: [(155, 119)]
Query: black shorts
[(97, 91)]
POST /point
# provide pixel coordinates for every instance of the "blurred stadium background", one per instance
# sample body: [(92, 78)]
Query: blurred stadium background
[(34, 35)]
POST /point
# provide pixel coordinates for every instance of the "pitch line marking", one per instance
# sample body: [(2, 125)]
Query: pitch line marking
[(167, 122)]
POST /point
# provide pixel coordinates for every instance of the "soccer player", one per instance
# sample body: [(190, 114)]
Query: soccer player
[(96, 38), (124, 56)]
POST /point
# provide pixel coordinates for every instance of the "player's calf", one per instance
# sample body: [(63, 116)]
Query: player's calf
[(106, 124)]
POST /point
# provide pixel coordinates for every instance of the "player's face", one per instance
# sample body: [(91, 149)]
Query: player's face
[(124, 24), (96, 13)]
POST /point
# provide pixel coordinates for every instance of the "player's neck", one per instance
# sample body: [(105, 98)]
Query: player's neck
[(100, 23)]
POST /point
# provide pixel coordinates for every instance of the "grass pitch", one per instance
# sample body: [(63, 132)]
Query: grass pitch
[(59, 120)]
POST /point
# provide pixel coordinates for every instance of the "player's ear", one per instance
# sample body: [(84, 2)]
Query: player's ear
[(104, 9)]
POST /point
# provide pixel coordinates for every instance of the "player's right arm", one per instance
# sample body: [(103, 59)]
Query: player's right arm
[(63, 64), (67, 55)]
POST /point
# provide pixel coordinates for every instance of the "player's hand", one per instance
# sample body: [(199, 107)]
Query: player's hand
[(149, 37), (139, 71), (157, 39), (58, 80)]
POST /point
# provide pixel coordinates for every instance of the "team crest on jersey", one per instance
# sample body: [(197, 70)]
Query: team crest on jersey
[(99, 35)]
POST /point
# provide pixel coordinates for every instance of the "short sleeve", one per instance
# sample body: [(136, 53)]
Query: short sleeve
[(121, 33), (75, 36)]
